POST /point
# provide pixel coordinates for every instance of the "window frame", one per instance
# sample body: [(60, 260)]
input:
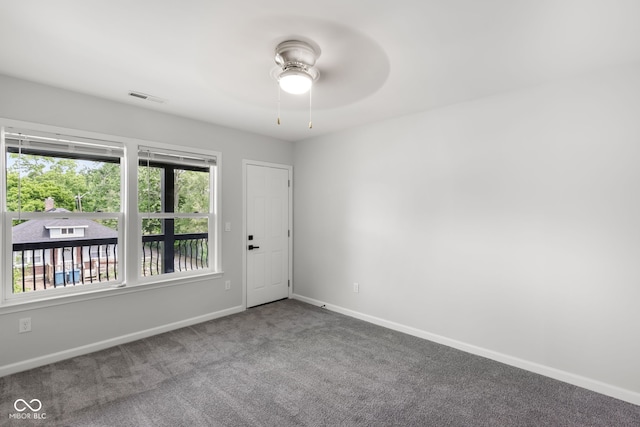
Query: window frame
[(213, 243), (57, 144), (129, 252)]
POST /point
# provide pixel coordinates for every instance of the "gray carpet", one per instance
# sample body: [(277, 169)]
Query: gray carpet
[(289, 364)]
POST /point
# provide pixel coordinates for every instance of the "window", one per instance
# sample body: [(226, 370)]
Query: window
[(28, 257), (177, 214), (48, 233), (63, 201), (99, 251), (58, 232)]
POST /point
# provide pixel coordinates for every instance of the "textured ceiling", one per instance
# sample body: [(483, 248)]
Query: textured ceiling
[(212, 60)]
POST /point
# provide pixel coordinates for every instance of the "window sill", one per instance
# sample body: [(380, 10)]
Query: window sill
[(15, 306)]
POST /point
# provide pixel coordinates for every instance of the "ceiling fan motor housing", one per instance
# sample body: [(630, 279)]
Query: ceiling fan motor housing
[(297, 55)]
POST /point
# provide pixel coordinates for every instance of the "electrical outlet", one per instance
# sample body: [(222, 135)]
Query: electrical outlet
[(227, 285), (24, 325), (356, 287)]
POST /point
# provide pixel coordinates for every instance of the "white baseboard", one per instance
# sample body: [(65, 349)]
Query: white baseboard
[(101, 345), (557, 374)]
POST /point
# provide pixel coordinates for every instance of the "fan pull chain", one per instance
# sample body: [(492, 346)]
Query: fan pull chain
[(310, 122), (278, 104)]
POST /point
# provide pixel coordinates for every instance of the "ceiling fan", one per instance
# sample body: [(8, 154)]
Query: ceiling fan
[(295, 73)]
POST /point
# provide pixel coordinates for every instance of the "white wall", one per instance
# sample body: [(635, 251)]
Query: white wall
[(508, 226), (66, 327)]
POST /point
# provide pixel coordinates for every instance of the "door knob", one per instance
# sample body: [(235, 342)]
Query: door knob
[(251, 247)]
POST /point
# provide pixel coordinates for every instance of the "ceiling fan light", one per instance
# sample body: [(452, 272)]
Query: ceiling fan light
[(295, 82)]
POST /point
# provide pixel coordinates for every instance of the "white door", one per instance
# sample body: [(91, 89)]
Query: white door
[(267, 239)]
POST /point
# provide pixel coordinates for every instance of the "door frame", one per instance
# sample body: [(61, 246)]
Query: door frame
[(289, 168)]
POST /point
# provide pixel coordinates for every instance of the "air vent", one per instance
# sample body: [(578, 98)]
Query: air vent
[(146, 97)]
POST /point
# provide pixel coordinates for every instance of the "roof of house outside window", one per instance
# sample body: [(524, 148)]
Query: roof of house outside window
[(35, 230)]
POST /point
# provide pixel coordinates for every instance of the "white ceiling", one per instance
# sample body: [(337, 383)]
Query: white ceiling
[(211, 59)]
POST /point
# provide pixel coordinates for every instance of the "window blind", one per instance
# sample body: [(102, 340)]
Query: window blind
[(33, 142), (176, 158)]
